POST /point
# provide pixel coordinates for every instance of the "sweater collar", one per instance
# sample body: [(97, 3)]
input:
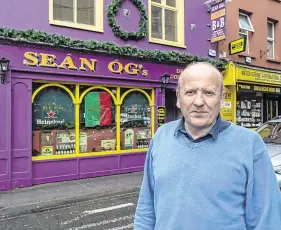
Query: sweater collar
[(214, 132)]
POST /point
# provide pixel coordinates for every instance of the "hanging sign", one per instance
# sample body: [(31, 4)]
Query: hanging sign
[(218, 21), (161, 115), (237, 46)]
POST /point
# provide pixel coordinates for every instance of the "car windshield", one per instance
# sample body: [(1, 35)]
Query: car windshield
[(270, 132)]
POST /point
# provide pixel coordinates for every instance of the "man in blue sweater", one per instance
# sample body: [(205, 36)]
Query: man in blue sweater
[(203, 173)]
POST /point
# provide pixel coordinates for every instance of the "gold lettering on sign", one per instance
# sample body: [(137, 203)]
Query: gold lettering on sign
[(84, 62), (31, 59), (47, 60), (50, 60), (68, 63), (115, 64), (131, 69)]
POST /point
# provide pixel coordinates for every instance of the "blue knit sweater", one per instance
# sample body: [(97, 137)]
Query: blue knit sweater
[(226, 183)]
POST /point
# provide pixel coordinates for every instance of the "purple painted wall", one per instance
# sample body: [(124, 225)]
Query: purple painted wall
[(35, 14), (21, 133), (5, 136)]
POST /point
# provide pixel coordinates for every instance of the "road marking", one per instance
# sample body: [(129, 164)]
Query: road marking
[(67, 206), (122, 227), (86, 213), (103, 223), (108, 208)]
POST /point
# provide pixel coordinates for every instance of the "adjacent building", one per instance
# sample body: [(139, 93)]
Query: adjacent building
[(89, 82), (253, 79)]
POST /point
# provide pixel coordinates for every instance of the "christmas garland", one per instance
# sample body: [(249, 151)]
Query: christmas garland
[(59, 41), (112, 10)]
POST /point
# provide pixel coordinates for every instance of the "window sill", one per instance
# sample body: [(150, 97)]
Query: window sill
[(246, 55), (78, 155), (277, 61), (77, 26), (167, 43)]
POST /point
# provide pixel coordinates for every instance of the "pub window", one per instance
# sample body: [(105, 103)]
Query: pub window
[(53, 122), (97, 121), (245, 27), (82, 14), (167, 22), (270, 39), (135, 120)]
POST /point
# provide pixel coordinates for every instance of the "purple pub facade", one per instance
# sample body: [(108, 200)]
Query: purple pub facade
[(71, 109)]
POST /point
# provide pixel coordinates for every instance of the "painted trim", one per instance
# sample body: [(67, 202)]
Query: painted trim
[(98, 18), (180, 23), (55, 85), (97, 87)]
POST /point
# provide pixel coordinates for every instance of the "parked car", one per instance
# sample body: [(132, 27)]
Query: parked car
[(270, 131)]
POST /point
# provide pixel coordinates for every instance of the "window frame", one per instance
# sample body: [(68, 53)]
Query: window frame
[(246, 33), (272, 39), (180, 23), (98, 18), (249, 21)]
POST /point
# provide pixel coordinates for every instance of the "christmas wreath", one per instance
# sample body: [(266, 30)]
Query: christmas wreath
[(112, 10)]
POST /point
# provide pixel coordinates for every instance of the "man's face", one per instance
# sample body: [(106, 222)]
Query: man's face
[(200, 96)]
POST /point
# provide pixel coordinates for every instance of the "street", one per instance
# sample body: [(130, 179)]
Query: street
[(107, 213)]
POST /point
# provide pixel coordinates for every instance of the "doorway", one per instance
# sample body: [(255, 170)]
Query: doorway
[(271, 107)]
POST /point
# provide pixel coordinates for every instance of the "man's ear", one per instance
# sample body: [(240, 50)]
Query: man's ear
[(222, 99), (178, 98)]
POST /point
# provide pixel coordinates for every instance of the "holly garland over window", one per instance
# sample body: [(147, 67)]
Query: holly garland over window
[(59, 41), (112, 11)]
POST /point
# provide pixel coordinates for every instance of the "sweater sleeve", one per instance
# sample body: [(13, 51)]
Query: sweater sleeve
[(145, 216), (263, 202)]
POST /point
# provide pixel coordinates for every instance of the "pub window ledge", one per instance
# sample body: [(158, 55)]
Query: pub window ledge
[(274, 60)]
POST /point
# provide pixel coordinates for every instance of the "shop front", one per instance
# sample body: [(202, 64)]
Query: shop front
[(253, 95), (69, 115)]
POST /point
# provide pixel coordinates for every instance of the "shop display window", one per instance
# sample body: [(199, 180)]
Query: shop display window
[(249, 110), (135, 121), (99, 111), (53, 123), (97, 121)]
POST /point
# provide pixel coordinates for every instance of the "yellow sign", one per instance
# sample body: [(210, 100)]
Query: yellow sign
[(47, 150), (237, 46), (227, 110), (161, 115), (253, 75)]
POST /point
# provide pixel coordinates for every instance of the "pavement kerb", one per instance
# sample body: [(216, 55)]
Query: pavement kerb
[(11, 212)]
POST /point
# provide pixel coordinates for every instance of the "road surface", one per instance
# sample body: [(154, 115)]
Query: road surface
[(106, 213)]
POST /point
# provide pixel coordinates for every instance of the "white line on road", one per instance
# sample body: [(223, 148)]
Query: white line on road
[(108, 208), (86, 213), (103, 223), (122, 227)]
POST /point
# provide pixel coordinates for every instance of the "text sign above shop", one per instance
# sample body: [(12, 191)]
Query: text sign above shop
[(237, 46), (161, 115), (218, 20), (253, 75), (97, 66), (258, 88)]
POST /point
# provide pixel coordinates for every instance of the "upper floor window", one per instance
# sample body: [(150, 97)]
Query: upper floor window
[(81, 14), (245, 26), (270, 39), (166, 22)]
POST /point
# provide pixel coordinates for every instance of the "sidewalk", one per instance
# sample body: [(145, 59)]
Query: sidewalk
[(48, 196)]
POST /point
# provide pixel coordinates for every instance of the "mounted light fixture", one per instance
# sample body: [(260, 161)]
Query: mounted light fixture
[(164, 80), (4, 67)]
